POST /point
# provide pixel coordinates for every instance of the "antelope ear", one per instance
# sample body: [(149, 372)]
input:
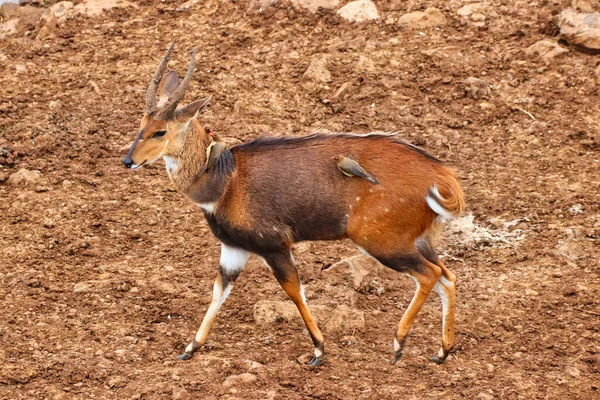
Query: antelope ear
[(168, 84), (191, 110)]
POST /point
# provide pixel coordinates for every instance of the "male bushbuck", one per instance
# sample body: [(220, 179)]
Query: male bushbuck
[(262, 196)]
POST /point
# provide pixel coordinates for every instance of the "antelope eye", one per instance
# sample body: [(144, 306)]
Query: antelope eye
[(159, 134)]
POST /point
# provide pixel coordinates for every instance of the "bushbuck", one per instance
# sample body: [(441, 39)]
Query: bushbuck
[(265, 195)]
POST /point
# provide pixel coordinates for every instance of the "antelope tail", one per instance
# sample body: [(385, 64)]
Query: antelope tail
[(449, 204)]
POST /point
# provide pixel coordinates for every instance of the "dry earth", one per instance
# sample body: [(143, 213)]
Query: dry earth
[(105, 273)]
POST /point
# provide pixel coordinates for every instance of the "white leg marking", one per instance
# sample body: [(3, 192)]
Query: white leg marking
[(302, 296), (396, 345), (218, 299), (233, 259), (318, 353)]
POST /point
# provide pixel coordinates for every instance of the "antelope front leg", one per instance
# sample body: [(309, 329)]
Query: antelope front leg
[(232, 262)]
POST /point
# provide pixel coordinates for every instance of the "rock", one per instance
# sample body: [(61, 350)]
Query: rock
[(429, 18), (82, 287), (469, 9), (359, 11), (304, 358), (8, 28), (485, 396), (9, 10), (26, 15), (314, 5), (355, 268), (572, 371), (546, 50), (490, 368), (261, 4), (580, 29), (180, 393), (583, 5), (476, 88), (597, 72), (94, 8), (331, 319), (62, 10), (24, 176), (48, 25), (237, 380), (317, 70)]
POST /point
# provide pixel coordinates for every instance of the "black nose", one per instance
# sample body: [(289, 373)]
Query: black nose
[(128, 162)]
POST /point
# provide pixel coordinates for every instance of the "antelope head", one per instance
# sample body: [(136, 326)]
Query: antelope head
[(163, 122)]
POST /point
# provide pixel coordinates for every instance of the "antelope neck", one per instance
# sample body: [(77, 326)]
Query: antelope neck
[(185, 167)]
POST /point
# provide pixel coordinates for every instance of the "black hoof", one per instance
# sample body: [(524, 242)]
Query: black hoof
[(397, 357), (185, 356), (437, 360), (315, 361)]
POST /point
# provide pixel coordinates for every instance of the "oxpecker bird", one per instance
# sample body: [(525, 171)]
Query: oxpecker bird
[(349, 167), (214, 150)]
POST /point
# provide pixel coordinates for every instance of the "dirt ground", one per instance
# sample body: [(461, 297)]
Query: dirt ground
[(105, 273)]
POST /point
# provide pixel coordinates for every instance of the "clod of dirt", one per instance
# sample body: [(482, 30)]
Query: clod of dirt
[(359, 11), (580, 29), (317, 70), (339, 319), (314, 5), (546, 50), (476, 88), (24, 177), (242, 379), (473, 12), (429, 18), (180, 393)]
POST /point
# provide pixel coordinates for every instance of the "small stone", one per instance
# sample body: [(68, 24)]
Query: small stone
[(485, 396), (490, 368), (359, 11), (237, 380), (317, 70), (304, 358), (469, 9), (572, 371), (476, 88), (314, 5), (180, 393), (67, 184), (431, 17), (546, 50), (82, 287)]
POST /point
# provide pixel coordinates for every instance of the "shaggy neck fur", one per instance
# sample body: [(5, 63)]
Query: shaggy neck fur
[(188, 157)]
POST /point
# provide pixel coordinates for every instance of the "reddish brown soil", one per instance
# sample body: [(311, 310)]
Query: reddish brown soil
[(104, 278)]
